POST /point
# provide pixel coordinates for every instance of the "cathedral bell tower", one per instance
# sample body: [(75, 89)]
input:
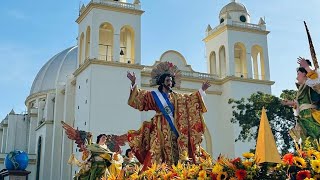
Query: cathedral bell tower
[(109, 45), (110, 30), (237, 47)]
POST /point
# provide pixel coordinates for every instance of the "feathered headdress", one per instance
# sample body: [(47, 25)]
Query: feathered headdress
[(312, 51), (165, 68)]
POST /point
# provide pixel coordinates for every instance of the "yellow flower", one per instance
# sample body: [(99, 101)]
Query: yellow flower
[(308, 179), (217, 168), (134, 176), (192, 172), (310, 152), (316, 154), (315, 164), (222, 176), (248, 155), (112, 177), (178, 167), (300, 162), (247, 163)]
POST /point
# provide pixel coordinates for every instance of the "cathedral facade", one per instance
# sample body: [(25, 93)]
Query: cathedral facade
[(86, 85)]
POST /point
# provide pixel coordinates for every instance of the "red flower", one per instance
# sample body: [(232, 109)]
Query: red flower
[(241, 174), (213, 176), (288, 158), (303, 174), (236, 160), (173, 175)]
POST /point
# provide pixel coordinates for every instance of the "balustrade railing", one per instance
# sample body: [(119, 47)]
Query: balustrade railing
[(113, 3), (191, 74)]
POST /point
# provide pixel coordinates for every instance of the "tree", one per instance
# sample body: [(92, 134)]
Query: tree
[(247, 112)]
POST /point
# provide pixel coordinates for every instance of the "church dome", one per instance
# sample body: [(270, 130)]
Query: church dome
[(233, 7), (55, 70)]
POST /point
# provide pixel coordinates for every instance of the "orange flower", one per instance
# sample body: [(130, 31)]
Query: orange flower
[(202, 174), (288, 158)]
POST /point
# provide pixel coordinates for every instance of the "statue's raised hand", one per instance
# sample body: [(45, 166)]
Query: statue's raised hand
[(132, 77), (205, 85)]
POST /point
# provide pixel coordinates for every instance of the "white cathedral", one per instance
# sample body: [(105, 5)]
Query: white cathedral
[(86, 85)]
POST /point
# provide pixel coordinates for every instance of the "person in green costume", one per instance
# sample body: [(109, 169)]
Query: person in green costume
[(101, 159), (306, 103)]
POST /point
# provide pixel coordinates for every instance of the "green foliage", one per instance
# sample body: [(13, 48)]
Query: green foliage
[(247, 112), (288, 94)]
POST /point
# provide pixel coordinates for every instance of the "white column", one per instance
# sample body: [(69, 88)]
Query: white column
[(4, 138), (266, 64), (57, 133), (230, 71), (41, 107), (255, 66), (49, 107), (249, 64), (94, 41), (11, 131), (116, 45), (32, 131), (68, 117)]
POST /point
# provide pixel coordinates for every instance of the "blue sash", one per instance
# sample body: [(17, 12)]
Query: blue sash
[(166, 108)]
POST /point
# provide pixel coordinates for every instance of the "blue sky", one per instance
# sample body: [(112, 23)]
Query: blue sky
[(33, 31)]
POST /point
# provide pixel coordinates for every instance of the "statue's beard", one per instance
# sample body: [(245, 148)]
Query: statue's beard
[(168, 88)]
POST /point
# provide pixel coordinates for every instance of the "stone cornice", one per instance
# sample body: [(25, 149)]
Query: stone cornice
[(44, 123), (33, 114), (93, 5), (37, 95), (255, 81), (219, 81), (105, 63), (234, 28)]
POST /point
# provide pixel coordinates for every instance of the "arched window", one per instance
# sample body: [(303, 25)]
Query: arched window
[(213, 63), (240, 60), (127, 49), (258, 63), (106, 32), (81, 58), (222, 62), (87, 51)]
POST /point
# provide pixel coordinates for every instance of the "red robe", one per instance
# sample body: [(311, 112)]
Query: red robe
[(155, 142)]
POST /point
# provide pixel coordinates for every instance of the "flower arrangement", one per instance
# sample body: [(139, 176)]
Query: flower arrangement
[(304, 164)]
